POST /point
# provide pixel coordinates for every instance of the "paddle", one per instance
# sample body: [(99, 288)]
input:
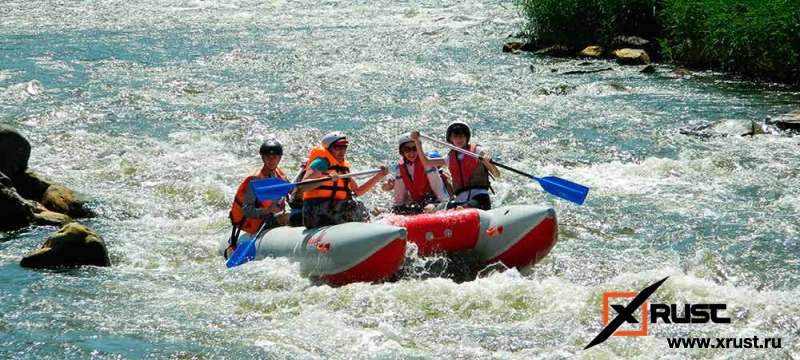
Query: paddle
[(562, 188), (246, 250), (275, 188)]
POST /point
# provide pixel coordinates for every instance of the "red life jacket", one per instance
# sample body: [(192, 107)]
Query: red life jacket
[(249, 225), (462, 169), (419, 187)]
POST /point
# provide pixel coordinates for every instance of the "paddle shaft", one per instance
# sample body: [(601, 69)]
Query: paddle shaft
[(345, 176), (470, 153)]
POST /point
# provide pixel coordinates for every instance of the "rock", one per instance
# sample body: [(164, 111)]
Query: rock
[(563, 89), (633, 42), (16, 212), (31, 186), (628, 56), (48, 217), (592, 51), (60, 199), (587, 71), (790, 121), (16, 150), (730, 127), (681, 71), (649, 69), (73, 245), (555, 50)]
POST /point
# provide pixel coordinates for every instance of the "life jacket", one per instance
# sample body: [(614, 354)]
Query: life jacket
[(468, 173), (419, 188), (335, 190), (249, 225)]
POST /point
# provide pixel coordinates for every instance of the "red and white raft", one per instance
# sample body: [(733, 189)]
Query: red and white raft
[(516, 236)]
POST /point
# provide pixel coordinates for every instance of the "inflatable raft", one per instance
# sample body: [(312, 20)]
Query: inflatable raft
[(516, 236)]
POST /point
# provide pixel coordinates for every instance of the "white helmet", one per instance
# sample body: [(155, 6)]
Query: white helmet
[(405, 138), (458, 126), (334, 137)]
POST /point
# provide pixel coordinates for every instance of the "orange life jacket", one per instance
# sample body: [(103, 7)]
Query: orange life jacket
[(250, 225), (336, 190), (419, 188), (468, 173)]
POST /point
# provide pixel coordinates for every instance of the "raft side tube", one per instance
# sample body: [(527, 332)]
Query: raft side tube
[(517, 236)]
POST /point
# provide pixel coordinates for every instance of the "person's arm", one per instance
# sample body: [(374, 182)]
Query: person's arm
[(363, 189), (421, 153), (252, 211), (486, 159), (317, 169)]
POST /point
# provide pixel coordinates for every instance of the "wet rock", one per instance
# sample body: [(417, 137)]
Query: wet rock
[(16, 212), (31, 186), (627, 56), (587, 71), (649, 69), (48, 217), (633, 42), (555, 50), (516, 46), (790, 121), (563, 89), (730, 127), (60, 199), (15, 150), (592, 51), (73, 245), (681, 71)]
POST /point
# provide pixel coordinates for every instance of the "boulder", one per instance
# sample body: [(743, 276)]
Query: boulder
[(649, 69), (31, 186), (555, 50), (60, 199), (48, 217), (628, 56), (16, 211), (730, 127), (681, 71), (633, 42), (16, 150), (790, 121), (73, 245), (592, 51)]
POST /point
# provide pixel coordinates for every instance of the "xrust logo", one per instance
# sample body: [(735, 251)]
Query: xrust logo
[(652, 313)]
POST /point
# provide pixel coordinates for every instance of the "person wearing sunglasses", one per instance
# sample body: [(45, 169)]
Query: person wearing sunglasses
[(332, 202), (417, 188), (470, 176)]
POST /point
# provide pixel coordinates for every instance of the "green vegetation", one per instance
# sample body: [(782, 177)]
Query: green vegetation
[(758, 38)]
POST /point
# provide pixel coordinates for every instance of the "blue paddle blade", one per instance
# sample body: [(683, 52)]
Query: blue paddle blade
[(564, 189), (271, 188), (245, 252)]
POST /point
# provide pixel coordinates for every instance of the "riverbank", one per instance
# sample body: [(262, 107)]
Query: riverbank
[(755, 39)]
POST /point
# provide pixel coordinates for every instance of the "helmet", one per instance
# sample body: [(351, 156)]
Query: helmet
[(271, 147), (459, 127), (337, 137), (433, 154), (405, 138)]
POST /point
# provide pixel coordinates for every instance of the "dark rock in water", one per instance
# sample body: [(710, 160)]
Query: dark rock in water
[(16, 211), (631, 56), (31, 186), (563, 89), (681, 71), (512, 46), (586, 63), (555, 50), (60, 199), (15, 150), (726, 128), (790, 121), (649, 69), (73, 245), (587, 71)]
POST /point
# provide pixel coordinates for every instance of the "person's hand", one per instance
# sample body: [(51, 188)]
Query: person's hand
[(415, 135), (485, 158), (429, 209), (388, 185), (334, 176), (282, 218), (384, 171)]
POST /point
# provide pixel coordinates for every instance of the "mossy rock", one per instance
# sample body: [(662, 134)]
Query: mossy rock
[(73, 245)]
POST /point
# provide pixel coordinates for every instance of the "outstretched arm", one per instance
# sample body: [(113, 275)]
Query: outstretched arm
[(421, 153)]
